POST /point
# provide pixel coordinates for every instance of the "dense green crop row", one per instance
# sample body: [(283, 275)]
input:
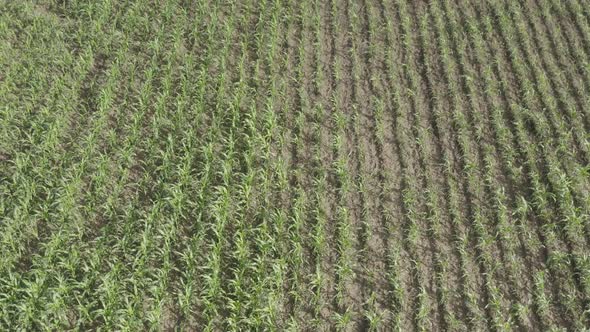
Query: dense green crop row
[(294, 165)]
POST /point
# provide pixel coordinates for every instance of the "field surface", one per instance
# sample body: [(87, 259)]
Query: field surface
[(301, 165)]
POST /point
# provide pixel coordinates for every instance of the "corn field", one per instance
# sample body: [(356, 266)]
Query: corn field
[(294, 165)]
